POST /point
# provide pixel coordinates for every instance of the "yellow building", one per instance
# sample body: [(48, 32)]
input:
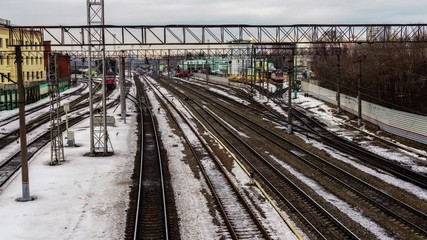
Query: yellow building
[(33, 66)]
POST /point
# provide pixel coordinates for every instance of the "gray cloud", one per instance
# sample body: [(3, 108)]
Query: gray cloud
[(73, 12)]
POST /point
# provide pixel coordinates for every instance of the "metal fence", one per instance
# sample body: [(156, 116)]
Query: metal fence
[(408, 125)]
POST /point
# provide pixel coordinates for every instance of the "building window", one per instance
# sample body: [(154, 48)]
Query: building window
[(7, 42), (1, 60), (2, 78), (37, 75), (7, 60), (8, 76), (26, 60), (32, 61), (32, 75), (1, 42), (28, 75)]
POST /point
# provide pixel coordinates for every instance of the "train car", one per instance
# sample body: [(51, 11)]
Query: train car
[(277, 76), (180, 73), (185, 73), (110, 81)]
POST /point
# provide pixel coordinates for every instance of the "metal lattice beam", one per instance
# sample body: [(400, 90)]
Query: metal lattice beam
[(216, 34), (57, 147), (195, 53), (96, 39)]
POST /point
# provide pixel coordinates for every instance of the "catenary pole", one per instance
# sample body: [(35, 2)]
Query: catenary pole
[(338, 81), (122, 87), (291, 79), (22, 129), (359, 96)]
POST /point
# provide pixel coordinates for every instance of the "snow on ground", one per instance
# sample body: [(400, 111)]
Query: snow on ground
[(344, 207), (84, 198), (404, 185), (242, 134), (87, 198), (15, 124), (277, 225), (325, 115), (405, 155), (192, 206), (216, 89), (272, 218), (8, 113)]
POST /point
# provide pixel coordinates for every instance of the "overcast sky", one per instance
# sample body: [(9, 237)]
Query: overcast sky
[(160, 12)]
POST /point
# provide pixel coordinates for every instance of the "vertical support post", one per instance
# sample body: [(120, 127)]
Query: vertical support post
[(338, 81), (104, 96), (57, 147), (268, 80), (22, 128), (75, 71), (261, 79), (130, 67), (290, 88), (253, 57), (207, 72), (122, 87), (91, 115), (359, 94), (169, 54)]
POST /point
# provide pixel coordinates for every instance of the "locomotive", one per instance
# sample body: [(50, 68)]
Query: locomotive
[(110, 80), (181, 73)]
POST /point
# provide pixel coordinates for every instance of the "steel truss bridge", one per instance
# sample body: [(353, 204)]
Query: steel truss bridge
[(114, 35), (195, 53)]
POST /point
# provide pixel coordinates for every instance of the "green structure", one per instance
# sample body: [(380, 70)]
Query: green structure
[(9, 98)]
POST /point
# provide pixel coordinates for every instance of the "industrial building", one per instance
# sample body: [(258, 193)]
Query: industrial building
[(34, 67)]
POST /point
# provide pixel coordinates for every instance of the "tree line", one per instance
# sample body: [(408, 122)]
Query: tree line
[(393, 75)]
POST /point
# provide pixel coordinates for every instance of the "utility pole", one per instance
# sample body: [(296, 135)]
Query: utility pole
[(22, 129), (207, 72), (253, 57), (96, 38), (248, 53), (291, 79), (130, 67), (261, 78), (169, 54), (266, 79), (359, 93), (122, 87), (338, 81), (56, 143)]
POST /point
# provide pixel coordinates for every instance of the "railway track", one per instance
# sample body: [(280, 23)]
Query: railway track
[(313, 218), (75, 105), (316, 130), (395, 209), (32, 110), (238, 216), (13, 163), (148, 214)]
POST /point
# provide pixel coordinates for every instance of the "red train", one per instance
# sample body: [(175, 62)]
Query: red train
[(179, 73), (110, 81), (277, 76)]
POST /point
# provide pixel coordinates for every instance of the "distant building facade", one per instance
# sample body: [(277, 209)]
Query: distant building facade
[(32, 66)]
